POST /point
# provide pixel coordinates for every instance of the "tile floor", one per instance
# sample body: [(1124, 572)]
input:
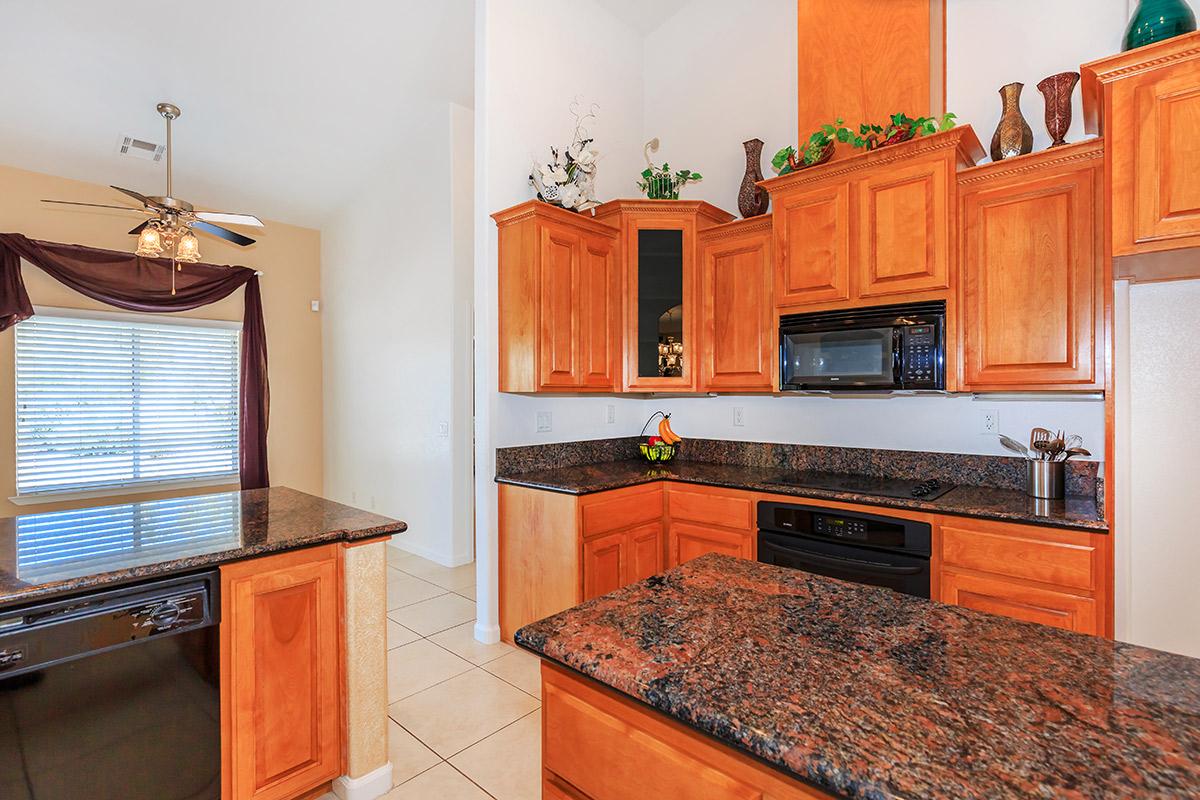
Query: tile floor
[(465, 717)]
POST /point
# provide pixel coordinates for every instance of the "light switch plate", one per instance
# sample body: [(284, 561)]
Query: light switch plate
[(610, 415), (545, 422)]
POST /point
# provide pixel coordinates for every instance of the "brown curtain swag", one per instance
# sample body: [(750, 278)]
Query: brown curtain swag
[(133, 283)]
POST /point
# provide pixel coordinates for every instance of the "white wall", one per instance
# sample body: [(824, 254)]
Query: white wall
[(533, 57), (1159, 598), (990, 43), (396, 275)]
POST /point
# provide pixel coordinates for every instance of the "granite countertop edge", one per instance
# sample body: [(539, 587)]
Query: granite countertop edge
[(529, 481), (66, 586)]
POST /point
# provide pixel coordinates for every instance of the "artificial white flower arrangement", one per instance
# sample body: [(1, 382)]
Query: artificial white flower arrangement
[(569, 179)]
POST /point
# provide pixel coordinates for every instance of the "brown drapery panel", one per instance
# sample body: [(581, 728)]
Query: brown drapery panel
[(133, 283)]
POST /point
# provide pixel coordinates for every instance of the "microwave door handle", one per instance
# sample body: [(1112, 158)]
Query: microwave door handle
[(897, 357)]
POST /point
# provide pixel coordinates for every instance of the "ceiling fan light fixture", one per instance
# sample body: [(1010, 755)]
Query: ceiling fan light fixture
[(150, 243), (187, 250)]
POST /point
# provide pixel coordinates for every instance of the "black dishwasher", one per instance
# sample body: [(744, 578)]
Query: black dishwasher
[(863, 548), (113, 694)]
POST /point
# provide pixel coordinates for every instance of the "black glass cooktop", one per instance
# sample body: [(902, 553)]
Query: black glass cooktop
[(865, 484)]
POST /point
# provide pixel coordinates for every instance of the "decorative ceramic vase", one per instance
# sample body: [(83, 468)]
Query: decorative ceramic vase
[(1155, 20), (1013, 136), (753, 199), (1057, 90)]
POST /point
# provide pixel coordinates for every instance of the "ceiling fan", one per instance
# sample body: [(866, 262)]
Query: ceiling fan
[(169, 229)]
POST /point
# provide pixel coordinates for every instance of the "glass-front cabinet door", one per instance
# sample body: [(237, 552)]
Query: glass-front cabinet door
[(660, 284)]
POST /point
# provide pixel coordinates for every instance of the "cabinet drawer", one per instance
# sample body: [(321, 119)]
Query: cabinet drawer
[(1004, 598), (621, 508), (1021, 551), (725, 507), (607, 758)]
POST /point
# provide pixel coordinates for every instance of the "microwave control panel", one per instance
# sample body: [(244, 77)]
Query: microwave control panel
[(920, 354)]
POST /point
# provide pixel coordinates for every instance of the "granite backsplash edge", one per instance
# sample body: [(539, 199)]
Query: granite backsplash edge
[(1083, 478)]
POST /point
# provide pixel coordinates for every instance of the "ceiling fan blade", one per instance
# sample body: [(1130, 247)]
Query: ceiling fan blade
[(139, 228), (95, 205), (141, 198), (230, 219), (224, 233)]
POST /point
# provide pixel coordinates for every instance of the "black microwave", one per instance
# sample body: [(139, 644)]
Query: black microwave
[(880, 348)]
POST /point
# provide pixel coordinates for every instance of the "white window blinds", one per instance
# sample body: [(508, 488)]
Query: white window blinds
[(103, 401)]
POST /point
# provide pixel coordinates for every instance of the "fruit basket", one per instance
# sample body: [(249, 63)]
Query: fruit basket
[(662, 447)]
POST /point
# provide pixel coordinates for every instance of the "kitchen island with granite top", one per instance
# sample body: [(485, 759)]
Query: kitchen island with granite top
[(725, 678), (232, 645)]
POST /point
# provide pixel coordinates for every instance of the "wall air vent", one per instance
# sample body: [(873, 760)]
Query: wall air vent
[(139, 148)]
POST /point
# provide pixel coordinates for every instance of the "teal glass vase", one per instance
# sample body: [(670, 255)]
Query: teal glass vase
[(1156, 20)]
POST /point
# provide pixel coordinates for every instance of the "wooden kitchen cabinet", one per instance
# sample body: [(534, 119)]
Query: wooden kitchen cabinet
[(1034, 272), (559, 308), (1146, 103), (706, 519), (281, 674), (660, 275), (604, 564), (1052, 576), (738, 331), (872, 228)]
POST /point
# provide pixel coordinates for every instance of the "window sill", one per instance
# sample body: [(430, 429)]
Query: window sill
[(45, 498)]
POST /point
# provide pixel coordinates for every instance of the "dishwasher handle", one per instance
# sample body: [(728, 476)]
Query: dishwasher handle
[(841, 562), (55, 632)]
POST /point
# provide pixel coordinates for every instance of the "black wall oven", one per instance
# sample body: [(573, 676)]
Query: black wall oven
[(862, 548), (880, 348)]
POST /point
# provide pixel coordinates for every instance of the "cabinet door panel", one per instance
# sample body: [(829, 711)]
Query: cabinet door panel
[(645, 556), (1032, 267), (281, 675), (1010, 599), (604, 567), (688, 541), (1167, 156), (559, 295), (737, 323), (599, 314), (660, 278), (812, 246), (904, 240), (1066, 559)]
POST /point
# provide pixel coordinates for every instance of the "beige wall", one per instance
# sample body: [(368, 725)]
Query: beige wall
[(288, 255)]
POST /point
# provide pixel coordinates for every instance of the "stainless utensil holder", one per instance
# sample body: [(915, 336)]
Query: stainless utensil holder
[(1044, 479)]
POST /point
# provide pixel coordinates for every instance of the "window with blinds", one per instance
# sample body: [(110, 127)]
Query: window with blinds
[(105, 401)]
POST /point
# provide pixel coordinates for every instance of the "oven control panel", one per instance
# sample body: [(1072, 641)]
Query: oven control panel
[(840, 527), (920, 356)]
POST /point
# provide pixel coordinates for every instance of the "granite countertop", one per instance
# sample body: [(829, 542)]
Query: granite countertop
[(967, 501), (43, 555), (867, 693)]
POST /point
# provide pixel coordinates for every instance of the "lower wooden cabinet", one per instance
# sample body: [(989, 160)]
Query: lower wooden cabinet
[(1020, 601), (597, 745), (687, 540), (281, 674)]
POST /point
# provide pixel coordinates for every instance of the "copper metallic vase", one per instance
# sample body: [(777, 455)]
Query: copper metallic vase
[(1013, 136), (1057, 90), (753, 199)]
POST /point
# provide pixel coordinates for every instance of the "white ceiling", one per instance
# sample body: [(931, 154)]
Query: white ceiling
[(287, 104)]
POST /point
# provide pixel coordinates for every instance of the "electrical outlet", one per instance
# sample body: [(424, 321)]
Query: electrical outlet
[(739, 417), (545, 422), (610, 415), (443, 429), (989, 421)]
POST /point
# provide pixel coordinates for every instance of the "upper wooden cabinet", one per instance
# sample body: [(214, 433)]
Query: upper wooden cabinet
[(738, 333), (1034, 278), (1146, 102), (281, 674), (872, 229), (660, 275), (559, 309)]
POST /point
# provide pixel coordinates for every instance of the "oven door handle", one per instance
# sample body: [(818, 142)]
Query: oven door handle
[(843, 562)]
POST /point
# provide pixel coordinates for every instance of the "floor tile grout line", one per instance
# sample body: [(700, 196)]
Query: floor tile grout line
[(472, 780), (493, 733)]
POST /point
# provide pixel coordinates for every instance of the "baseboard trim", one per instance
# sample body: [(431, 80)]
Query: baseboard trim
[(374, 784), (487, 634), (433, 555)]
